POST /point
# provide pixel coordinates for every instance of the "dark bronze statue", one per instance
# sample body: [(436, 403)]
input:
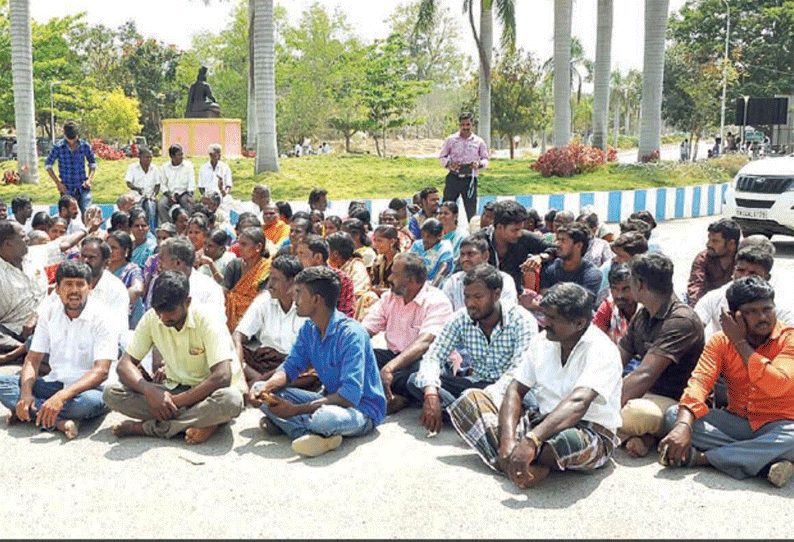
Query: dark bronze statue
[(201, 103)]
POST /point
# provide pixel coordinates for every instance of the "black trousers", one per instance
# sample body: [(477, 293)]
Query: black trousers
[(399, 384), (466, 187)]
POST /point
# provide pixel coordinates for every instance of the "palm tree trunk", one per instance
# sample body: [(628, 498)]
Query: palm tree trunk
[(22, 77), (652, 76), (250, 118), (265, 86), (601, 75), (616, 122), (486, 42), (562, 72)]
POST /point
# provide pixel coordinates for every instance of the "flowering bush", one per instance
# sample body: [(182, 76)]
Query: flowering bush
[(653, 157), (571, 160), (105, 151)]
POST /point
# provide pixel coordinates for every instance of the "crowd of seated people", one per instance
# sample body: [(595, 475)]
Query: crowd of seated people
[(546, 344)]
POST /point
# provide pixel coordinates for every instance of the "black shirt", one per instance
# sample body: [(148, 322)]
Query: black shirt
[(527, 245)]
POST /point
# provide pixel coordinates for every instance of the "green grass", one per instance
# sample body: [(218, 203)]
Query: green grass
[(366, 176)]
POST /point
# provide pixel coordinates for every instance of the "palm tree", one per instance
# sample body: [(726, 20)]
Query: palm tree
[(22, 76), (250, 117), (602, 69), (562, 72), (264, 64), (505, 13), (652, 76)]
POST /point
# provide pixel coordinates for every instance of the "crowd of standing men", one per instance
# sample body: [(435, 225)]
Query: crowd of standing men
[(546, 343)]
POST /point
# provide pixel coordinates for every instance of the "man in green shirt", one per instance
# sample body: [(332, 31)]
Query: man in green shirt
[(203, 387)]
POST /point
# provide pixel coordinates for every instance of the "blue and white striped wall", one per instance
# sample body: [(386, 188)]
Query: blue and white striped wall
[(613, 206)]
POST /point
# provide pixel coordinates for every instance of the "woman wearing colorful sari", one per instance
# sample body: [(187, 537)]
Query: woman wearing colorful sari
[(386, 241), (436, 252), (128, 272), (245, 276), (448, 216), (143, 243)]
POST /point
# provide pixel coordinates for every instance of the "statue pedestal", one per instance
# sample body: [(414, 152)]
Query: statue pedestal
[(194, 135)]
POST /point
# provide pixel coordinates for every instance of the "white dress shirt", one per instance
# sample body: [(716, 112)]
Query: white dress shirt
[(593, 363), (74, 345), (266, 321), (208, 177), (145, 181), (179, 179)]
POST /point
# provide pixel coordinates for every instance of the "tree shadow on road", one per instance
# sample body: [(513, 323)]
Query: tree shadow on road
[(125, 448)]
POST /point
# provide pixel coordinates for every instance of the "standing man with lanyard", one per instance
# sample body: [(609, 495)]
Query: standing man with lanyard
[(463, 154), (72, 153)]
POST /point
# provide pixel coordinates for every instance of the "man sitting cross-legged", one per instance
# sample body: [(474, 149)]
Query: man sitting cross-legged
[(667, 337), (754, 353), (271, 324), (352, 402), (203, 379), (574, 371), (412, 314), (494, 335), (73, 331)]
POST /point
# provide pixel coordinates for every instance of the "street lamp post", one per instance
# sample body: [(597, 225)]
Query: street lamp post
[(725, 70)]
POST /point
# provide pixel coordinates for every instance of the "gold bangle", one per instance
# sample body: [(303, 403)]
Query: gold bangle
[(534, 438)]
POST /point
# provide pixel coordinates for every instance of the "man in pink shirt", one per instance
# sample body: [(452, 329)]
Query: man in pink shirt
[(412, 313), (463, 154)]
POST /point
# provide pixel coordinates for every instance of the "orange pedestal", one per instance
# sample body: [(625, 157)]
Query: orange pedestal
[(194, 135)]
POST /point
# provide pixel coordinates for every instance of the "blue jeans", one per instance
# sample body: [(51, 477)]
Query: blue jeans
[(84, 201), (327, 420), (84, 406)]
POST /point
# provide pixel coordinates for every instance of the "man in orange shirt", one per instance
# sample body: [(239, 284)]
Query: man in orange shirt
[(754, 353), (275, 229)]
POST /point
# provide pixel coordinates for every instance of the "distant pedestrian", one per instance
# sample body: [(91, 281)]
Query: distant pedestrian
[(685, 150)]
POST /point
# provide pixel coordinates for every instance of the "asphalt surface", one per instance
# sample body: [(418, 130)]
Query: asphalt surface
[(393, 483)]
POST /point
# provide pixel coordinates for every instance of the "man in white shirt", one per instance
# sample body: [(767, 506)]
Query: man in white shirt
[(70, 212), (145, 178), (751, 260), (178, 254), (24, 285), (267, 331), (81, 347), (215, 174), (574, 369), (179, 183), (473, 252)]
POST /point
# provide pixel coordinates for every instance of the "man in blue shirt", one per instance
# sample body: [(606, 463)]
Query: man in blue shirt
[(72, 153), (338, 348)]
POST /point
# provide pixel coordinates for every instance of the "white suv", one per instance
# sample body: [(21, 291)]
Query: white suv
[(761, 197)]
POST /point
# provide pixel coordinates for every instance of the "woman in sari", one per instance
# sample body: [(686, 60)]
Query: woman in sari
[(246, 276), (143, 243), (215, 257), (436, 252), (128, 272), (180, 219), (386, 241), (196, 231), (363, 244), (448, 215)]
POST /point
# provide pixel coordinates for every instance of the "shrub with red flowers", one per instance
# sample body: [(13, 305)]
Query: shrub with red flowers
[(571, 160), (653, 157), (105, 151)]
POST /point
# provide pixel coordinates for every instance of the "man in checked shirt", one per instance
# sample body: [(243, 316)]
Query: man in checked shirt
[(72, 153), (463, 154)]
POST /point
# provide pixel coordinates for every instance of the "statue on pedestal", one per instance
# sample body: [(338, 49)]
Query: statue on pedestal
[(201, 103)]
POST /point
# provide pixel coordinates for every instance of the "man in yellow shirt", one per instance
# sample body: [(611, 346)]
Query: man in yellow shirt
[(203, 384)]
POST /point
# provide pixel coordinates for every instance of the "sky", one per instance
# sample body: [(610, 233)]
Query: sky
[(175, 21)]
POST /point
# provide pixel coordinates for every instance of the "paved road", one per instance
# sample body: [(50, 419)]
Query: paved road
[(394, 483)]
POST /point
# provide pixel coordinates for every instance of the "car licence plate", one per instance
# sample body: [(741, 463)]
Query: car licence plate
[(760, 214)]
